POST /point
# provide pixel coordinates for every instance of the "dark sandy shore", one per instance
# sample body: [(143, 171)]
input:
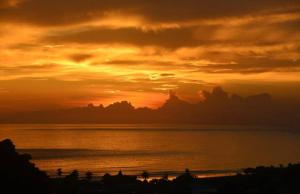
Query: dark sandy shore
[(282, 179)]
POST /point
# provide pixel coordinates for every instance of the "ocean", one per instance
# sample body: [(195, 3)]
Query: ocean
[(159, 149)]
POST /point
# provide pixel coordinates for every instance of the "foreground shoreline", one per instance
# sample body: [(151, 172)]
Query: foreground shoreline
[(19, 175), (261, 180)]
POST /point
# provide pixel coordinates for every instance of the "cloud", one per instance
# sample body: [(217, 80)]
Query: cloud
[(257, 33), (125, 62), (39, 71), (170, 38), (80, 57), (253, 65), (9, 3), (167, 74), (137, 62), (113, 48), (57, 12), (29, 68)]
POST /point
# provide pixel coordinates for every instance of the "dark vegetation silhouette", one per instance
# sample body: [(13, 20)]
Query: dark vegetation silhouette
[(89, 175), (59, 172), (18, 175), (145, 175), (218, 107)]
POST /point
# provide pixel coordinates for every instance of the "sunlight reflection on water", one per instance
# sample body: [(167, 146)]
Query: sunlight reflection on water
[(156, 148)]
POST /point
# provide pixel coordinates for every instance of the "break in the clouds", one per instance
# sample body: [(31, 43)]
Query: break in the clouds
[(107, 50)]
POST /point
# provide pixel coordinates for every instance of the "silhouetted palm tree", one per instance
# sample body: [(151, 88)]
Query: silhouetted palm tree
[(145, 175), (89, 176), (74, 175), (120, 173), (59, 172), (165, 177), (187, 171)]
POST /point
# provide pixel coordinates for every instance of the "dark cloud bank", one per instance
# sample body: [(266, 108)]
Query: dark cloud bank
[(57, 12), (219, 107)]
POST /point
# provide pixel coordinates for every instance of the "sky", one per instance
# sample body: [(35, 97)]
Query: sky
[(57, 54)]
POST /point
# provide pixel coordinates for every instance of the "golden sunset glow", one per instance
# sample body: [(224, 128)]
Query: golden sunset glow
[(71, 53)]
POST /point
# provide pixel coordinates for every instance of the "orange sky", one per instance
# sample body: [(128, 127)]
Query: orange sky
[(57, 53)]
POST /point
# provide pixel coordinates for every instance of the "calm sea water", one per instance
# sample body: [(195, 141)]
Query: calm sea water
[(157, 148)]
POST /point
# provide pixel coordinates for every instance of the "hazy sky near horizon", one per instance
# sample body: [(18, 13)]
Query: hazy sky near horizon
[(56, 53)]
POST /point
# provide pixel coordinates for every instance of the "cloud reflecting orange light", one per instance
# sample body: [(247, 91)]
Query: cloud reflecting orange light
[(128, 53)]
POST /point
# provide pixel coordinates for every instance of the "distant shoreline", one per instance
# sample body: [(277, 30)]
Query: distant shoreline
[(157, 174)]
